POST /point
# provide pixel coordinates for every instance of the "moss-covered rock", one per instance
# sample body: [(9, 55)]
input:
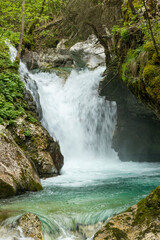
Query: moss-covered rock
[(37, 145), (144, 81), (139, 222), (17, 174)]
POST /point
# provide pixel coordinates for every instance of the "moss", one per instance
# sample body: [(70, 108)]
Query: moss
[(149, 47), (155, 59), (6, 190), (149, 72), (34, 186), (116, 233), (119, 234), (125, 35), (148, 208)]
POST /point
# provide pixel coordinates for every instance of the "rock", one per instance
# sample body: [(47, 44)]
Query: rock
[(88, 231), (31, 105), (89, 53), (38, 146), (31, 59), (17, 174), (48, 58), (137, 133), (141, 221), (31, 226)]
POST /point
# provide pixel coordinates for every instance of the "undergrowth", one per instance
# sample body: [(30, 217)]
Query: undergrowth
[(12, 102)]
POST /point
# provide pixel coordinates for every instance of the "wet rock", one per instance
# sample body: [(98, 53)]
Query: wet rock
[(38, 146), (137, 133), (141, 221), (31, 59), (31, 226), (49, 57), (31, 95), (89, 53), (17, 174), (31, 105), (88, 231)]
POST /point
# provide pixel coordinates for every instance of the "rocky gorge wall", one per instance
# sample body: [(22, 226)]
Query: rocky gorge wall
[(137, 133), (132, 80)]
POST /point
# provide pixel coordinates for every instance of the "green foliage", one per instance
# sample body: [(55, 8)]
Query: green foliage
[(125, 35), (11, 87), (115, 29), (37, 13), (31, 119), (27, 132), (11, 122)]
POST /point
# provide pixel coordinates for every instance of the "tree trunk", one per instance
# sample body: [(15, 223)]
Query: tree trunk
[(132, 7), (150, 28), (22, 31)]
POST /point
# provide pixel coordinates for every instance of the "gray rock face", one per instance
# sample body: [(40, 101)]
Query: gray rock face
[(49, 58), (17, 174), (89, 53), (137, 133)]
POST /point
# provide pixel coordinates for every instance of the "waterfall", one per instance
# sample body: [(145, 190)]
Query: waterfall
[(73, 112)]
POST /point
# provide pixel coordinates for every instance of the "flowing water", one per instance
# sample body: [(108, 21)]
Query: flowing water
[(94, 183)]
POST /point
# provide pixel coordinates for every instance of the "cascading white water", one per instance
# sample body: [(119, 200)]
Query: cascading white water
[(81, 121)]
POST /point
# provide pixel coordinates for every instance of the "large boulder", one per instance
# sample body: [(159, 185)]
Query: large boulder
[(37, 145), (141, 221), (17, 174), (89, 53)]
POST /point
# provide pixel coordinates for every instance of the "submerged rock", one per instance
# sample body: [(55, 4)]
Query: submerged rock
[(89, 53), (31, 226), (17, 174), (141, 221), (38, 146), (88, 231)]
